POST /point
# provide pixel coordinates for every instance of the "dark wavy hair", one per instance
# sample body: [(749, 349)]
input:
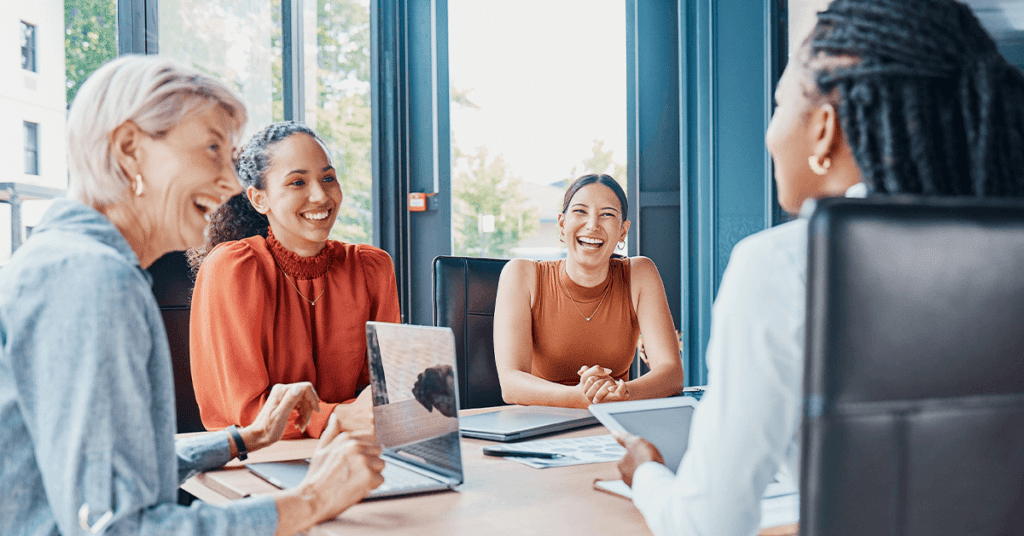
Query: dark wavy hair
[(237, 219), (606, 180), (925, 100)]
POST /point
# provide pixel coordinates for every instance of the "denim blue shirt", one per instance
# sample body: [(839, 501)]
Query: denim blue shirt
[(87, 394)]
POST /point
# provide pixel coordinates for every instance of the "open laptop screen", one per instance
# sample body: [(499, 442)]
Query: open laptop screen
[(415, 398)]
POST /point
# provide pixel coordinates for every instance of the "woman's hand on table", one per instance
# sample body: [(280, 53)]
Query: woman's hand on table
[(270, 423), (638, 452), (358, 415), (344, 469)]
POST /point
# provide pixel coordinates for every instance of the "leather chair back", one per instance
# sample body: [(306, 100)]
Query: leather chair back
[(172, 286), (914, 371), (464, 293)]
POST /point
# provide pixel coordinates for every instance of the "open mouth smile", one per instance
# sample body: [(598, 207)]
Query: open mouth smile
[(206, 205), (316, 216)]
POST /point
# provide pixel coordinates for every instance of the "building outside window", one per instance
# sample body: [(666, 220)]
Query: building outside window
[(28, 47), (31, 148)]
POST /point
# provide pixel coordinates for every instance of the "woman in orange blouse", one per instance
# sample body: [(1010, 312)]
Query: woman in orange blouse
[(565, 332), (275, 301)]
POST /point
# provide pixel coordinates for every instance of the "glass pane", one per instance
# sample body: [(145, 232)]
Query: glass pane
[(237, 41), (90, 39), (338, 105), (1004, 19), (61, 43), (538, 98)]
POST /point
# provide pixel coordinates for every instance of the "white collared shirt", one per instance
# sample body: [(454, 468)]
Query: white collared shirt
[(745, 428)]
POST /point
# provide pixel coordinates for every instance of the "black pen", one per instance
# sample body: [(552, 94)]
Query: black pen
[(498, 451)]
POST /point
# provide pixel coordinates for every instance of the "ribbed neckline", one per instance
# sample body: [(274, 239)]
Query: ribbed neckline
[(300, 267), (580, 293)]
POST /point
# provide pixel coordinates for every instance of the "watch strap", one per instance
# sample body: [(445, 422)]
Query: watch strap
[(243, 453)]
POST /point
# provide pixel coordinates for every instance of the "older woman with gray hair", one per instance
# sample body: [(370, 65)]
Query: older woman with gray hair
[(86, 390)]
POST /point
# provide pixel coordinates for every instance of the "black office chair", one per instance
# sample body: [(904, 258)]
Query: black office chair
[(172, 286), (914, 373), (464, 293)]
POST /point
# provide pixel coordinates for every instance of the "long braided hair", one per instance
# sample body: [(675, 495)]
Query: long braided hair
[(926, 101), (237, 219)]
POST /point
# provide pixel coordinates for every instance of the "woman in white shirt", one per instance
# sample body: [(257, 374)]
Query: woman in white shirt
[(933, 111)]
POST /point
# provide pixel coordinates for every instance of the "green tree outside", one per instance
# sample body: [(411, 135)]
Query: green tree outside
[(600, 161), (484, 186), (343, 117), (90, 39)]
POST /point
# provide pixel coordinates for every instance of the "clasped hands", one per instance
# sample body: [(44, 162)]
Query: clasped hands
[(597, 385)]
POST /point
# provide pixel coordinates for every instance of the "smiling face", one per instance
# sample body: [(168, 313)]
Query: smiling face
[(187, 174), (302, 195), (592, 225)]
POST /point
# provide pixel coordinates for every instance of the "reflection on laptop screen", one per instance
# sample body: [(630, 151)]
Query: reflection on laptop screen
[(415, 397)]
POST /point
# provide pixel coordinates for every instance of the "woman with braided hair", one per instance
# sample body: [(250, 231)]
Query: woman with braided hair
[(884, 97), (275, 300)]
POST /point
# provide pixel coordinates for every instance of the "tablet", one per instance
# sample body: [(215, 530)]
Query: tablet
[(665, 422)]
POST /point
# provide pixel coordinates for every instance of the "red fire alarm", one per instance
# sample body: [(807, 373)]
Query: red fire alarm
[(418, 201)]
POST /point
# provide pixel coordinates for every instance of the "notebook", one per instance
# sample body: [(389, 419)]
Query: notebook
[(511, 424), (415, 411)]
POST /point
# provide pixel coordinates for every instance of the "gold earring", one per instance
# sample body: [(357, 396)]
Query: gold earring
[(561, 237), (819, 167), (138, 185)]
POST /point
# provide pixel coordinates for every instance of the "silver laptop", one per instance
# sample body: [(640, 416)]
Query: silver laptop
[(511, 424), (415, 411)]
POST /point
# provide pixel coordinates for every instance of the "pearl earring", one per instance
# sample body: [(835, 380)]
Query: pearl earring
[(819, 167), (138, 185)]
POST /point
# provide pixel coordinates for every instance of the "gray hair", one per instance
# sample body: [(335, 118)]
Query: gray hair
[(153, 92)]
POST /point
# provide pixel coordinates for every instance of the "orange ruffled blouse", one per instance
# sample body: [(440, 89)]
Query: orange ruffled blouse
[(251, 329)]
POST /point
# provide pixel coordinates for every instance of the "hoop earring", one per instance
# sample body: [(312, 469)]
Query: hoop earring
[(561, 237), (138, 185), (819, 167), (621, 245)]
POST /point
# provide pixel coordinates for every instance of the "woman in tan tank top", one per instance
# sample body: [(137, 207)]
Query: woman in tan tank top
[(565, 331)]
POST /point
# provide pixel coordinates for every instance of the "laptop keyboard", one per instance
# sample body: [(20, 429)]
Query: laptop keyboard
[(397, 478), (437, 451)]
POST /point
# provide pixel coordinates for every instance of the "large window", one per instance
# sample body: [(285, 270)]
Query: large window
[(28, 47), (538, 98), (243, 43)]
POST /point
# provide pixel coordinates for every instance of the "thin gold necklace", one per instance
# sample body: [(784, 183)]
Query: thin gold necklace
[(566, 289), (303, 296)]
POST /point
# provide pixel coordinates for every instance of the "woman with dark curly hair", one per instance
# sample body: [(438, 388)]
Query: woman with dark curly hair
[(275, 301)]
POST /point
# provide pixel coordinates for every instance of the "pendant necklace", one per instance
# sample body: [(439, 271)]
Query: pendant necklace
[(301, 295), (566, 289)]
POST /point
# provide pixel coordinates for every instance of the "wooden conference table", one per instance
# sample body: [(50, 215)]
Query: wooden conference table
[(498, 497)]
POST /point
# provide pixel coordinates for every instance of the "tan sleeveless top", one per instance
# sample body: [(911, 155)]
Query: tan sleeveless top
[(563, 340)]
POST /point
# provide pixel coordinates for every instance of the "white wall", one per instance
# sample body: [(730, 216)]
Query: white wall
[(37, 97)]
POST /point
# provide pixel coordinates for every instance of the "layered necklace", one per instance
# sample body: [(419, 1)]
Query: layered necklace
[(574, 304)]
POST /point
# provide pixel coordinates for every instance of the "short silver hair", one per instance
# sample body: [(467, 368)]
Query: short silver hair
[(153, 92)]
